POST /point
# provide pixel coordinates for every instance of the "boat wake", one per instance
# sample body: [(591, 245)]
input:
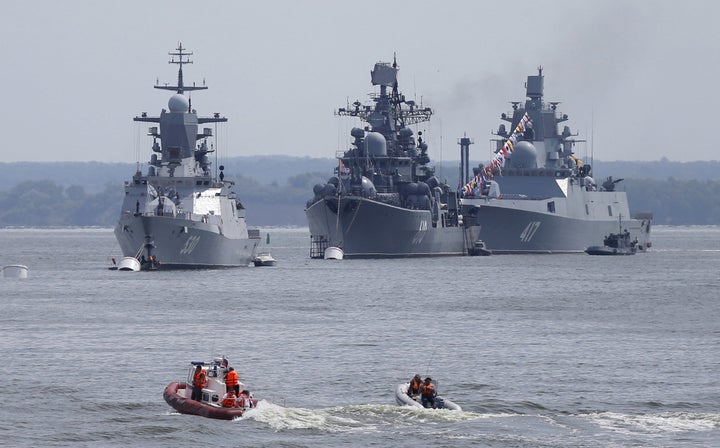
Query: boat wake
[(659, 424), (356, 418)]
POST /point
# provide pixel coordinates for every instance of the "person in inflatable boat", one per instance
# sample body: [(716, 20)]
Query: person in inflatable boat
[(232, 381), (199, 381), (228, 400), (415, 384), (244, 400), (428, 393)]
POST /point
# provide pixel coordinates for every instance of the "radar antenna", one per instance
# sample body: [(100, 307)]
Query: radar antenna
[(180, 87)]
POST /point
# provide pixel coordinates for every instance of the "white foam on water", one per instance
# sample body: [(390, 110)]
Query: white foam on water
[(356, 418), (666, 422)]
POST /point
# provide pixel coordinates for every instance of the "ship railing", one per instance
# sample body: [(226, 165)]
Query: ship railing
[(185, 215), (546, 107), (524, 197)]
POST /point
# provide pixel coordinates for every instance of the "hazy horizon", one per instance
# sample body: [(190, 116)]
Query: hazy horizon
[(635, 77)]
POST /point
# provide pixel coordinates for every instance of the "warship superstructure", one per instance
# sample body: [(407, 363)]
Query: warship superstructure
[(178, 214), (384, 199), (537, 195)]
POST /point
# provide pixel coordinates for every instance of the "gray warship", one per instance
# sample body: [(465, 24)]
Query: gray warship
[(537, 196), (384, 199), (179, 214)]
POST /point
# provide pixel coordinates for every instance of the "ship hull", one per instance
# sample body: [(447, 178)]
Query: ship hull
[(182, 243), (365, 228), (509, 227)]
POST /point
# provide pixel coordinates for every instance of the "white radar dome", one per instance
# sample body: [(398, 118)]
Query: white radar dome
[(178, 103), (375, 144)]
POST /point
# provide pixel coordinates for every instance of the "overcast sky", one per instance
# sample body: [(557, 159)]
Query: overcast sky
[(639, 78)]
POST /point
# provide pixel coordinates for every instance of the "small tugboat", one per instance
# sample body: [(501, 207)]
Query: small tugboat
[(403, 397), (616, 244), (209, 401)]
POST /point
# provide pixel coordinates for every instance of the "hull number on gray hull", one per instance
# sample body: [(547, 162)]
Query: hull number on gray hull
[(190, 244), (417, 239), (529, 231)]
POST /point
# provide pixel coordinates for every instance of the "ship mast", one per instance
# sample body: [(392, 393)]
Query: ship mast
[(385, 75), (180, 87), (178, 131)]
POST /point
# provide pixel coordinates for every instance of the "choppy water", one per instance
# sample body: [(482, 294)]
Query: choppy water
[(539, 350)]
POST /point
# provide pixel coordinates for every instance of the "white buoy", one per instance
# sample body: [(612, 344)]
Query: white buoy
[(334, 253), (15, 271), (129, 264)]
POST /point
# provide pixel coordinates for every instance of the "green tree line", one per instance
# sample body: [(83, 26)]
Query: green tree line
[(48, 204)]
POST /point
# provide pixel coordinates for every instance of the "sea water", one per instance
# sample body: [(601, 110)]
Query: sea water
[(539, 350)]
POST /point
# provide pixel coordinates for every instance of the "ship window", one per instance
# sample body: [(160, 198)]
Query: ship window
[(609, 210), (551, 206), (587, 209)]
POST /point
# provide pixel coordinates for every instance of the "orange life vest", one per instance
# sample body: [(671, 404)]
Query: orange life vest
[(232, 378), (200, 379), (228, 401), (428, 389), (415, 385)]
